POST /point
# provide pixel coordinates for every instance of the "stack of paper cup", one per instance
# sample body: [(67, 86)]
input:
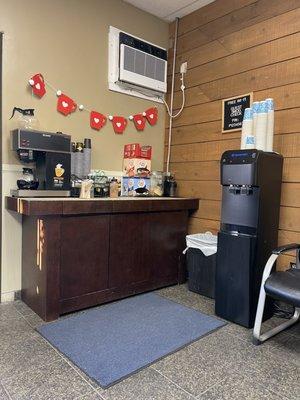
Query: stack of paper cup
[(261, 126), (78, 164), (270, 125), (75, 163), (247, 138), (255, 107), (87, 152), (250, 142)]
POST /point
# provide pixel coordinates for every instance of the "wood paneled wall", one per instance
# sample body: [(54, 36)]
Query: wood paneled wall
[(234, 47)]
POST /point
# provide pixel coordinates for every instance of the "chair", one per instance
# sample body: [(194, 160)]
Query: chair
[(281, 285)]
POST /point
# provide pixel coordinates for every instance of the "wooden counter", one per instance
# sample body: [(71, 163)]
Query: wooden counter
[(79, 253)]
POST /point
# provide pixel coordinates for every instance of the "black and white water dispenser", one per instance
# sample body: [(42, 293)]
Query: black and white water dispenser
[(251, 187)]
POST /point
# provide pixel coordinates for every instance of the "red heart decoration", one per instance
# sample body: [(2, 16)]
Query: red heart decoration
[(65, 105), (38, 85), (97, 120), (139, 121), (119, 123), (152, 115)]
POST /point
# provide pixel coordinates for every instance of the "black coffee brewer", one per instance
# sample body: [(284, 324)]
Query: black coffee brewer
[(51, 153)]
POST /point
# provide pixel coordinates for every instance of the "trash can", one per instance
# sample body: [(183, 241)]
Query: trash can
[(201, 255)]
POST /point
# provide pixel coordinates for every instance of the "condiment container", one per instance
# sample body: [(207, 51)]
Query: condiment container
[(170, 186), (113, 188), (156, 183)]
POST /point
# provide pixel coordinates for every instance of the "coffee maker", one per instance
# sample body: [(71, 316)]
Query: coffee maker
[(251, 187), (51, 153)]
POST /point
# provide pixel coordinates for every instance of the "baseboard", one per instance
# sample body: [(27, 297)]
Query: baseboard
[(12, 167), (7, 297), (17, 294)]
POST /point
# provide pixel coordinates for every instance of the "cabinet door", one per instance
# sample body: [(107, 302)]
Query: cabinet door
[(167, 238), (129, 250), (84, 255), (236, 290)]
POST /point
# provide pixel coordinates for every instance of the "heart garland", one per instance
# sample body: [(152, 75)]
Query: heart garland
[(119, 123), (97, 120), (152, 115), (139, 121), (66, 105), (38, 85)]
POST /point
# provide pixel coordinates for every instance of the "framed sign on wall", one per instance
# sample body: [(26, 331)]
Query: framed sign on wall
[(233, 112)]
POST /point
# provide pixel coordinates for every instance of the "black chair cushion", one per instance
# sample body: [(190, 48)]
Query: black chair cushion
[(285, 286)]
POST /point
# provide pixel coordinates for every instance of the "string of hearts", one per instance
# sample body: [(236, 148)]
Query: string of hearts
[(66, 106)]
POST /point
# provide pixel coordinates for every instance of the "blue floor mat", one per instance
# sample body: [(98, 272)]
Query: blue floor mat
[(115, 340)]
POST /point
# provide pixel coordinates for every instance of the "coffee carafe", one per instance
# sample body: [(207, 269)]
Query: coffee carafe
[(25, 118)]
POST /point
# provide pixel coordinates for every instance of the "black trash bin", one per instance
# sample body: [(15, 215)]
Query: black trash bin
[(201, 271)]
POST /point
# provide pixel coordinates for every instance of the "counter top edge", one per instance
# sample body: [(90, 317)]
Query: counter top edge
[(75, 206)]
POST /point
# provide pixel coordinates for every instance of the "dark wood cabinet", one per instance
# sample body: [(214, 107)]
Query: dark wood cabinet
[(145, 247), (129, 250), (167, 241), (78, 254), (84, 255)]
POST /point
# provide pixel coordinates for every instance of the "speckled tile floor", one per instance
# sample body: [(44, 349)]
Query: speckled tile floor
[(223, 365)]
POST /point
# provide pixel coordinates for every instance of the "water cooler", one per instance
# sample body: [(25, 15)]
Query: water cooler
[(251, 187)]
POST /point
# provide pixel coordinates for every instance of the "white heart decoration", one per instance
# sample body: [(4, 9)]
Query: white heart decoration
[(151, 116), (38, 86), (118, 124), (64, 104), (139, 122), (96, 120)]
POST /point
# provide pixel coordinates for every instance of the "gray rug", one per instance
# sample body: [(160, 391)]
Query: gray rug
[(115, 340)]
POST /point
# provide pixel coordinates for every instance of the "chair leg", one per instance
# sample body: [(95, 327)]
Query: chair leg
[(262, 299), (259, 316), (258, 338)]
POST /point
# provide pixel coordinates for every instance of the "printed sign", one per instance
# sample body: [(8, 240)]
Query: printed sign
[(233, 112)]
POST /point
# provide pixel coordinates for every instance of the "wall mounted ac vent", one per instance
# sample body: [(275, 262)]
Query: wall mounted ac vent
[(136, 67)]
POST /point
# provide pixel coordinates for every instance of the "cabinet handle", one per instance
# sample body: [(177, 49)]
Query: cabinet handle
[(20, 206), (40, 243)]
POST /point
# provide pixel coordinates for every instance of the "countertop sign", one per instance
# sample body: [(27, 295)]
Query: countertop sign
[(233, 112)]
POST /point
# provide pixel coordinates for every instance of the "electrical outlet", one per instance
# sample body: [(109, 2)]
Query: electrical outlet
[(183, 68)]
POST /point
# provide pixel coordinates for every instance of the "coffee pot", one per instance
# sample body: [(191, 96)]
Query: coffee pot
[(25, 118)]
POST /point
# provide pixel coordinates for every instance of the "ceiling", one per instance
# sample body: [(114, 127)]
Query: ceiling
[(169, 9)]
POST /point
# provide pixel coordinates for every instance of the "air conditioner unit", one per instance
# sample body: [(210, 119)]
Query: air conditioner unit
[(136, 67)]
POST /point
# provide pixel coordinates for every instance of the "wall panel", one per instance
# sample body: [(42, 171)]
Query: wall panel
[(246, 38), (241, 17), (235, 47)]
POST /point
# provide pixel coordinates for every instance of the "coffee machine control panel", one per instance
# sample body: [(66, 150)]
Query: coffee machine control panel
[(239, 157), (40, 141)]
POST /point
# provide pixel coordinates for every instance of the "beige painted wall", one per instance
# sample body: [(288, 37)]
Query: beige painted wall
[(67, 41)]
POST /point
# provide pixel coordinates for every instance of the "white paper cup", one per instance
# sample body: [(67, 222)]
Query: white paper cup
[(247, 127), (261, 126), (270, 124)]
